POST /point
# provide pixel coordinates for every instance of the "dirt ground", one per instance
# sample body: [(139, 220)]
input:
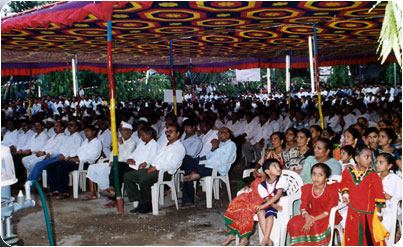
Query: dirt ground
[(77, 222)]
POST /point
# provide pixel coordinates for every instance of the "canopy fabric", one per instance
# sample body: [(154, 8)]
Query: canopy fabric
[(217, 35)]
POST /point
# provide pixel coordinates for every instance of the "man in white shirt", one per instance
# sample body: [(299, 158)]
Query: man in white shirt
[(223, 150), (58, 172), (99, 172), (255, 140), (105, 137), (25, 134), (168, 159), (52, 148), (141, 158), (189, 139), (69, 146), (11, 137), (207, 136)]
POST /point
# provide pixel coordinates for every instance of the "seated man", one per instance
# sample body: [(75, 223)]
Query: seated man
[(71, 143), (99, 172), (189, 139), (10, 139), (58, 172), (141, 158), (222, 151), (169, 159), (51, 149)]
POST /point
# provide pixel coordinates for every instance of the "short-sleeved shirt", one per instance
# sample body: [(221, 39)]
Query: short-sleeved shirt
[(267, 189)]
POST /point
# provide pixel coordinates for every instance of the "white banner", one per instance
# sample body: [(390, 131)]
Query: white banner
[(248, 74), (169, 96)]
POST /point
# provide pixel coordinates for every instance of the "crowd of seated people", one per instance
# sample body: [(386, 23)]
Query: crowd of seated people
[(360, 141)]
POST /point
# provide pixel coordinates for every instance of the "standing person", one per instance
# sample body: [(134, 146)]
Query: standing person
[(169, 159), (271, 190), (361, 188), (370, 139), (322, 154), (392, 188), (311, 227)]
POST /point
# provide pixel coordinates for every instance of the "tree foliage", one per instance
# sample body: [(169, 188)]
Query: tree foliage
[(19, 6), (339, 75)]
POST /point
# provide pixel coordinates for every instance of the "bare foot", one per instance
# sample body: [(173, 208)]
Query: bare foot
[(191, 177), (244, 242), (229, 239)]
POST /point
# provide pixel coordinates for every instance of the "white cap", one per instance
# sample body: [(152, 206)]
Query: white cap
[(143, 119), (65, 118), (126, 125), (49, 120)]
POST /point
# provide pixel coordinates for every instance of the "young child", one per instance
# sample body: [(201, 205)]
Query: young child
[(346, 156), (311, 227), (392, 188), (271, 189), (362, 190)]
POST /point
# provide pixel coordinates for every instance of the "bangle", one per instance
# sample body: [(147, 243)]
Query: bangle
[(379, 214), (304, 212), (326, 213)]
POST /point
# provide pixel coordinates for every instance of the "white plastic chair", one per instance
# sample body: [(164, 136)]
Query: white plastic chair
[(79, 177), (335, 228), (212, 183), (395, 208), (279, 230), (157, 191)]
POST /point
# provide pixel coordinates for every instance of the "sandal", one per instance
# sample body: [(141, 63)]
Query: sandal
[(107, 193), (188, 205), (89, 197), (244, 242), (111, 204), (62, 196), (229, 240)]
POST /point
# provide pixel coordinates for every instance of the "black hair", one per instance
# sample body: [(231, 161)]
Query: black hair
[(328, 145), (390, 133), (294, 130), (150, 131), (370, 130), (40, 122), (387, 122), (189, 122), (316, 127), (91, 127), (348, 149), (391, 160), (266, 165), (360, 148), (324, 167), (281, 136), (330, 130), (308, 134), (354, 132), (177, 127)]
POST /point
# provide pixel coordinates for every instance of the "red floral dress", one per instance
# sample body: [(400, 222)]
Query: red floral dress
[(319, 233), (240, 212)]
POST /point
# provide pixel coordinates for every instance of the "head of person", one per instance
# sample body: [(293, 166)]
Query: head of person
[(147, 134), (327, 133), (224, 134), (346, 153), (351, 136), (48, 123), (271, 168), (102, 123), (386, 162), (11, 125), (383, 124), (386, 137), (320, 173), (363, 157), (323, 149), (39, 126), (262, 118), (360, 127), (126, 130), (316, 131), (291, 135), (371, 137), (59, 127), (173, 133), (206, 125), (141, 125), (189, 126), (277, 140), (73, 126), (25, 125), (90, 132), (363, 121), (304, 138)]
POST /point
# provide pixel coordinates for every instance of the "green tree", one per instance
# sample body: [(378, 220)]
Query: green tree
[(339, 75), (19, 6)]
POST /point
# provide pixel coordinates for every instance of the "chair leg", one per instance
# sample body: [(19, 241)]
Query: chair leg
[(173, 193), (154, 198), (75, 184), (209, 191), (162, 194), (227, 183), (216, 188), (44, 179)]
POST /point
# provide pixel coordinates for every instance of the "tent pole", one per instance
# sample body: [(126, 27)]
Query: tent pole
[(29, 94), (191, 82), (113, 121), (184, 86), (359, 74), (268, 81), (311, 64), (73, 71), (172, 76), (315, 41), (77, 84), (288, 79)]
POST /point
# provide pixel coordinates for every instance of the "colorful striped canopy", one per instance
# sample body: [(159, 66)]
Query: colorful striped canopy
[(217, 35)]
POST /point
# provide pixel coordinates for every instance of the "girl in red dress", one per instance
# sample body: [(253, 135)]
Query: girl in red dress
[(311, 227), (362, 189)]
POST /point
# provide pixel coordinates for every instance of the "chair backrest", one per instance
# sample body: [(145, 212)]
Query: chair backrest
[(294, 181)]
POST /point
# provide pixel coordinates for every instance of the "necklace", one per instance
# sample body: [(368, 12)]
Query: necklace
[(313, 193), (360, 176)]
